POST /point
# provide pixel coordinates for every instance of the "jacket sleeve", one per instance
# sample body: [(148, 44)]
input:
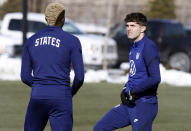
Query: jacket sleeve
[(26, 67), (152, 60), (78, 66)]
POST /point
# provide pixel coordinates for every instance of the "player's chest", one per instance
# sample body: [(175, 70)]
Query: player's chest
[(136, 59)]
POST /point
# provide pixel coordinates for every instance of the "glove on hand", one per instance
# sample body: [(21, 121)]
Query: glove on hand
[(131, 97), (125, 97)]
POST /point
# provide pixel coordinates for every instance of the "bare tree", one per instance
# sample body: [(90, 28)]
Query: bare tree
[(37, 5), (109, 18)]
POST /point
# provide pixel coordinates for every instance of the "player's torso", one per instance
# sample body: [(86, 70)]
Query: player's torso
[(50, 54), (49, 47), (138, 69)]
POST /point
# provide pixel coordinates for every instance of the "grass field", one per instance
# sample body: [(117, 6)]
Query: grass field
[(93, 101)]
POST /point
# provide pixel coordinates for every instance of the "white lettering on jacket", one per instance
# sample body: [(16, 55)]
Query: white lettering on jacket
[(47, 40)]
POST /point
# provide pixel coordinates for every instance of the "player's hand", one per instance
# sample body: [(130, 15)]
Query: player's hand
[(124, 96), (131, 97), (127, 96)]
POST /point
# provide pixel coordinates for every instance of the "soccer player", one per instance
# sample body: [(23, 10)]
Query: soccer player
[(139, 105), (46, 65)]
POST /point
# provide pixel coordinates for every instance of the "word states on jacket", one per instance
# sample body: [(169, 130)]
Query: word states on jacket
[(47, 40)]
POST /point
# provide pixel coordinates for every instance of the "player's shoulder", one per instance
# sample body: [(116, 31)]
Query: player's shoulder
[(150, 48), (69, 35), (72, 39), (32, 38), (37, 34), (149, 44)]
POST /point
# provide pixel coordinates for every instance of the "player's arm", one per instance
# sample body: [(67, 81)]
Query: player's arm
[(26, 67), (78, 66), (152, 61)]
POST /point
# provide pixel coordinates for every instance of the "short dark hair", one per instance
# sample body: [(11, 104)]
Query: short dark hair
[(138, 17)]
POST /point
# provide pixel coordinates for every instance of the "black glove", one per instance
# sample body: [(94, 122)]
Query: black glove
[(131, 97), (127, 97), (124, 96)]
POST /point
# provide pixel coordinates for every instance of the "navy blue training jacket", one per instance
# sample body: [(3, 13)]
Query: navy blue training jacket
[(46, 63), (144, 75)]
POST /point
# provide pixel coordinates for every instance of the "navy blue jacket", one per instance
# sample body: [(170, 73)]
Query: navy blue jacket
[(46, 63), (144, 75)]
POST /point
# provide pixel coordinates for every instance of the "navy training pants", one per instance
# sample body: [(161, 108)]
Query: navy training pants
[(58, 111), (140, 116)]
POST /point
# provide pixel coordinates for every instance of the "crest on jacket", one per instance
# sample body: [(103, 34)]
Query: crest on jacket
[(137, 55)]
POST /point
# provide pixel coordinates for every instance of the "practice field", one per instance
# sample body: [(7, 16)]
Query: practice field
[(93, 101)]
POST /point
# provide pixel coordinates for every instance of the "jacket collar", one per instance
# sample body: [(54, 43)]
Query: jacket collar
[(138, 43)]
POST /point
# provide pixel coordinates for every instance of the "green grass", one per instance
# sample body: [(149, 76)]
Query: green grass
[(92, 102)]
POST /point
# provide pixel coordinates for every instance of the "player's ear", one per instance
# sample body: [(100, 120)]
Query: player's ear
[(143, 29), (63, 20)]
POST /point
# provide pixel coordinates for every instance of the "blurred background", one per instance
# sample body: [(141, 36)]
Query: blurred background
[(100, 27)]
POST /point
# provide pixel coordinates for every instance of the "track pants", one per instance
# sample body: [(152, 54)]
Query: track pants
[(140, 116), (58, 111)]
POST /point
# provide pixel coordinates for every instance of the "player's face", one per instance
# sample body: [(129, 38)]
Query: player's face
[(134, 31)]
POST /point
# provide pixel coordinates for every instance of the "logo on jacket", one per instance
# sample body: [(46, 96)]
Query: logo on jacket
[(135, 120), (132, 71), (137, 56)]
